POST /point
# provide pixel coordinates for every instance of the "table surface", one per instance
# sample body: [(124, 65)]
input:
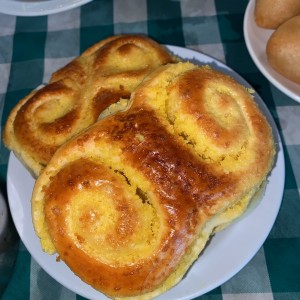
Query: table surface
[(31, 48)]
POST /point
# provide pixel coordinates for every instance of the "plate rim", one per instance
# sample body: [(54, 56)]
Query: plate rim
[(238, 266), (38, 8), (273, 76)]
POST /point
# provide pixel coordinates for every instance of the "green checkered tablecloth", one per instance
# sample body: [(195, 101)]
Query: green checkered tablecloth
[(31, 48)]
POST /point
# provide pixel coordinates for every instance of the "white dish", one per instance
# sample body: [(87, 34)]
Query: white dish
[(228, 252), (256, 39), (37, 8)]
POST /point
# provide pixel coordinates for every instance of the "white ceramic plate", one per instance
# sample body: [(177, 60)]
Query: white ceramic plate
[(37, 7), (228, 252), (256, 39)]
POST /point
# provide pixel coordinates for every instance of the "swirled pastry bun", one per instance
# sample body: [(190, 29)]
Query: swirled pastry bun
[(283, 49), (77, 94), (130, 203), (270, 14)]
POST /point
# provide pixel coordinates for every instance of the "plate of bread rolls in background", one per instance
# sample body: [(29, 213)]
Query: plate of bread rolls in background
[(144, 171), (272, 36)]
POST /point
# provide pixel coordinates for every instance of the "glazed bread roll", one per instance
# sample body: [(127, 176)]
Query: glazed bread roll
[(270, 14), (283, 49), (130, 203), (77, 94)]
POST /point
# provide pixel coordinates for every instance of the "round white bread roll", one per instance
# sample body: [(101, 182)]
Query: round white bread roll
[(283, 49), (271, 14)]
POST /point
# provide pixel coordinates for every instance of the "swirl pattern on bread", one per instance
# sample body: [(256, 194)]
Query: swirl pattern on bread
[(130, 203), (77, 94)]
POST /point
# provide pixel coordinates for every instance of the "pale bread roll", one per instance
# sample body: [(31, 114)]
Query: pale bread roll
[(283, 49), (272, 13)]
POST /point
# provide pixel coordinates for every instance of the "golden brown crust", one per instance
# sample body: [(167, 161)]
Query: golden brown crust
[(129, 204), (283, 49), (270, 14), (78, 93)]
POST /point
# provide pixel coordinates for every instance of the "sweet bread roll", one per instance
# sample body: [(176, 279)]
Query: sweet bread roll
[(130, 203), (283, 49), (77, 94), (270, 14)]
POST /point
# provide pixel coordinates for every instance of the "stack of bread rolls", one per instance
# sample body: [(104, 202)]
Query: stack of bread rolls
[(283, 47), (130, 202)]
